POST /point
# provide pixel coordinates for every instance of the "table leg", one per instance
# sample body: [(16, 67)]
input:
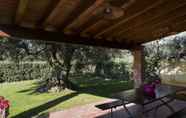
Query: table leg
[(143, 111), (126, 109), (155, 112), (111, 115)]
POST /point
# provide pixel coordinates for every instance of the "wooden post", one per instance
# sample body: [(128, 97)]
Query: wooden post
[(138, 66)]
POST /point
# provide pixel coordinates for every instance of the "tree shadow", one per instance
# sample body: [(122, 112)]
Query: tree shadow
[(105, 90), (31, 90), (104, 87), (88, 84), (36, 110)]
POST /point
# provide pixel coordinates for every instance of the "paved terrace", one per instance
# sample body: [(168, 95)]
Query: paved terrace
[(89, 111)]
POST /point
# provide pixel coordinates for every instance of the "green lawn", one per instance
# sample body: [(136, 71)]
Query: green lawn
[(26, 103)]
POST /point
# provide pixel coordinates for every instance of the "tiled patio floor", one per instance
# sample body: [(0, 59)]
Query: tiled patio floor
[(89, 111)]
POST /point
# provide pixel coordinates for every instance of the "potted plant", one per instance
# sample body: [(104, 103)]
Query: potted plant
[(4, 107)]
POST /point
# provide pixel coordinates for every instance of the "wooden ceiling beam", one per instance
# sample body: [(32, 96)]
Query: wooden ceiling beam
[(36, 10), (16, 32), (163, 10), (7, 11), (46, 11), (52, 5), (61, 12), (21, 9), (135, 12), (70, 13), (159, 30), (157, 25), (85, 16), (177, 28), (94, 27), (103, 22)]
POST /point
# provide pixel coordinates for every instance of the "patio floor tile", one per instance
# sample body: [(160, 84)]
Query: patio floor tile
[(89, 111)]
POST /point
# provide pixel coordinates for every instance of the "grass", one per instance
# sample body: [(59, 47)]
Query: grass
[(26, 103)]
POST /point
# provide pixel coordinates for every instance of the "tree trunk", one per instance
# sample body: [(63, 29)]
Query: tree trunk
[(99, 69), (68, 83)]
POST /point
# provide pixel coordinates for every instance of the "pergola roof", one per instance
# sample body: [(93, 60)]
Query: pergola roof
[(110, 23)]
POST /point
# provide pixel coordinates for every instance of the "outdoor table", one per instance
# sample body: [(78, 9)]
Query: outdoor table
[(137, 96)]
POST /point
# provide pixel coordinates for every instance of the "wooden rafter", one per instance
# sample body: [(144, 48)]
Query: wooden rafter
[(7, 11), (160, 31), (94, 27), (68, 16), (21, 9), (93, 22), (85, 16), (178, 27), (117, 11), (102, 22), (163, 24), (50, 8), (35, 12), (161, 11), (62, 11), (128, 17)]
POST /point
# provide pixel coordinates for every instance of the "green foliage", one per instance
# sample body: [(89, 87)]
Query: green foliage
[(153, 57), (63, 60), (10, 72), (116, 71), (171, 50), (101, 62)]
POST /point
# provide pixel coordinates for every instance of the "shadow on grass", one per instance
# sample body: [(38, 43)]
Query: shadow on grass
[(101, 86), (36, 110), (87, 85), (90, 84), (105, 89), (34, 90)]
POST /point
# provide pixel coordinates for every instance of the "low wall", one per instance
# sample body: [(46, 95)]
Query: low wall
[(175, 79)]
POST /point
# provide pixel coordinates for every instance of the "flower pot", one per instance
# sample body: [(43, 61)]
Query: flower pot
[(2, 114)]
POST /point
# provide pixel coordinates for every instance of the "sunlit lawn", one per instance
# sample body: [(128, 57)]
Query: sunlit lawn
[(25, 103)]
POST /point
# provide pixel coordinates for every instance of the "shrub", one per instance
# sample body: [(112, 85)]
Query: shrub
[(10, 72)]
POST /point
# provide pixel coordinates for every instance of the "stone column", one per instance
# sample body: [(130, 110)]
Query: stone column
[(138, 66)]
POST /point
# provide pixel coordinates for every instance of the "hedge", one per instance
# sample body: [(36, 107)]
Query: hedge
[(10, 72)]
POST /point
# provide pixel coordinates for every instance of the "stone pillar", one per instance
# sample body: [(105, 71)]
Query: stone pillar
[(138, 66)]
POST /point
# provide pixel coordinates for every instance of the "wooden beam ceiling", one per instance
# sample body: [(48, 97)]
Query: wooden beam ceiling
[(21, 8), (65, 12), (7, 11), (31, 12), (159, 13), (178, 27), (16, 32), (85, 16), (102, 22), (157, 27), (121, 23), (51, 6), (62, 11), (130, 13), (117, 11)]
